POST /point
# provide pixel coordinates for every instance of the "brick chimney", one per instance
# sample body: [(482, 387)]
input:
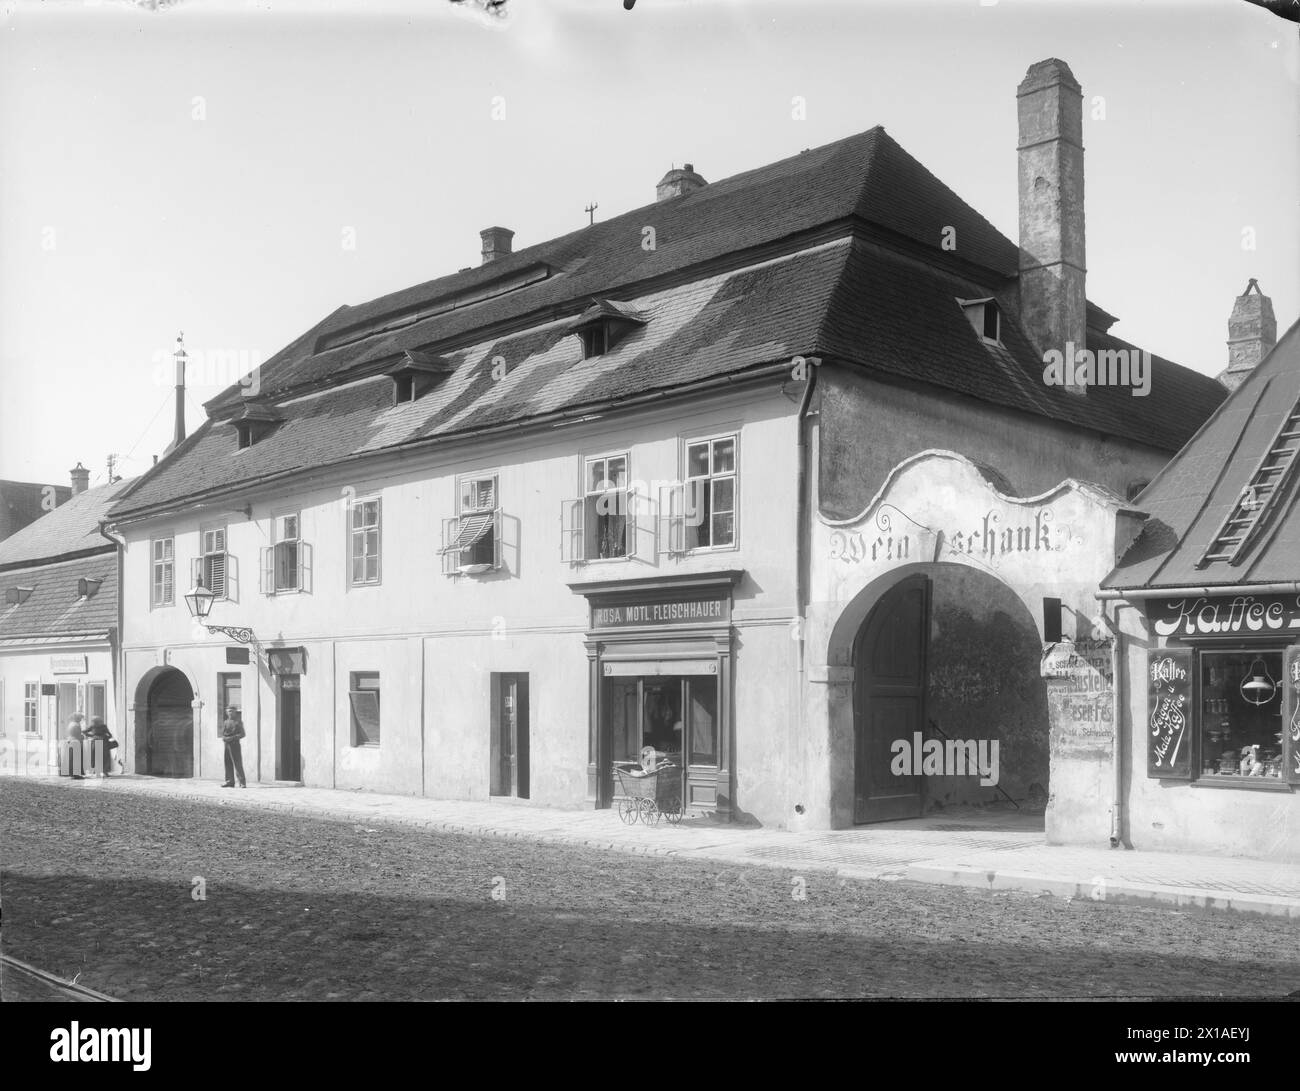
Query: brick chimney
[(80, 479), (1252, 333), (1052, 304), (678, 182), (496, 242)]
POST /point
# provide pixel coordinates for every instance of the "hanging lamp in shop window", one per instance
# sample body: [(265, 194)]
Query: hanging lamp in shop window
[(1260, 687)]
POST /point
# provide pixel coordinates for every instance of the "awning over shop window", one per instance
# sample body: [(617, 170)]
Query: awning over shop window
[(473, 528)]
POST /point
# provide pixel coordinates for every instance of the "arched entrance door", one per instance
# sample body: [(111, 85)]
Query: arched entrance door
[(889, 660), (169, 737)]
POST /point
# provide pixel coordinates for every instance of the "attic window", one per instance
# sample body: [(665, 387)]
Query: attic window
[(416, 373), (17, 595), (985, 318), (87, 586), (603, 325), (254, 423)]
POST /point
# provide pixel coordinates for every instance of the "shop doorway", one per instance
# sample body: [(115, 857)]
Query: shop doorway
[(510, 772), (675, 714), (889, 660), (169, 728), (288, 756)]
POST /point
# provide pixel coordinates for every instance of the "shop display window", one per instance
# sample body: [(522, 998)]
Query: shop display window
[(1241, 714)]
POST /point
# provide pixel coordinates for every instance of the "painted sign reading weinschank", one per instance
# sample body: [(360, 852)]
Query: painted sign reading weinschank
[(1228, 616), (683, 611)]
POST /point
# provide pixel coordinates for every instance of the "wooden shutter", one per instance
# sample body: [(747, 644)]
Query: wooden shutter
[(196, 572), (672, 519), (573, 540), (1291, 713), (304, 567), (1170, 720), (231, 576), (450, 557), (642, 526), (496, 537), (266, 582)]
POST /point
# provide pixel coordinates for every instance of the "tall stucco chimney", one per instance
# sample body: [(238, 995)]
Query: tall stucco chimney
[(1053, 307), (178, 431), (1252, 333), (80, 479), (496, 242), (679, 181)]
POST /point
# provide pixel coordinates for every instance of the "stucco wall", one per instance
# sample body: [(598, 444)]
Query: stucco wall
[(868, 427), (436, 639), (36, 755)]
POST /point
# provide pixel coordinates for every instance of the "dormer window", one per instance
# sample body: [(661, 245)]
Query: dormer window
[(17, 595), (603, 325), (416, 373), (87, 586), (254, 422), (985, 318)]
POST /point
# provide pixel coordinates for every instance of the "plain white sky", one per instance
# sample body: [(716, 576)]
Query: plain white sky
[(200, 166)]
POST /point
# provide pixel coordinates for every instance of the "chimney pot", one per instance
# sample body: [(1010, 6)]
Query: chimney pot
[(80, 479), (496, 242), (678, 182), (1053, 305)]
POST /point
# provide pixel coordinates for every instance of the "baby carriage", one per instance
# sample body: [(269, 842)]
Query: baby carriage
[(649, 790)]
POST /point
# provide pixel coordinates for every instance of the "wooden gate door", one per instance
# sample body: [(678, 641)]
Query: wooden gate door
[(889, 700)]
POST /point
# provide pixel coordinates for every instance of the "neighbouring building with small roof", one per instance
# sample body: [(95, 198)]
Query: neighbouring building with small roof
[(1207, 601), (23, 502), (59, 627), (765, 475)]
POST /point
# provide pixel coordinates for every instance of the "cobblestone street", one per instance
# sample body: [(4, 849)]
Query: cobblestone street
[(105, 886)]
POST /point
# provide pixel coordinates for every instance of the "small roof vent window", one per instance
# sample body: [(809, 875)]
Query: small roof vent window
[(416, 373), (985, 318), (254, 422), (603, 325), (16, 595)]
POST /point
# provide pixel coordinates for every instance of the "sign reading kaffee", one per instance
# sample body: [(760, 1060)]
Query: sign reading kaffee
[(1238, 615)]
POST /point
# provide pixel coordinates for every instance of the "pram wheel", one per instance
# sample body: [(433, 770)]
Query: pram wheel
[(627, 810)]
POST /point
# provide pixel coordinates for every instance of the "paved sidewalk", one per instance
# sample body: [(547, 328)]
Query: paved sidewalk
[(995, 851)]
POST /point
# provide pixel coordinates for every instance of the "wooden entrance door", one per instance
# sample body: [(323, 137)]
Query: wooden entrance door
[(170, 742), (510, 736), (289, 729), (889, 700)]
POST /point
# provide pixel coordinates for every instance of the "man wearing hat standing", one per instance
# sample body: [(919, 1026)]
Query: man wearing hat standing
[(232, 730)]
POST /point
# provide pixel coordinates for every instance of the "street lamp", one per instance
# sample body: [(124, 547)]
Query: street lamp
[(199, 600)]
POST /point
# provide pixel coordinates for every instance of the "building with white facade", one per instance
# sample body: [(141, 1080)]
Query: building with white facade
[(685, 478)]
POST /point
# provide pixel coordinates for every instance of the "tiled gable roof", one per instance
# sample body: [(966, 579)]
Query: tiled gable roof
[(54, 607), (1188, 501), (835, 252), (72, 527)]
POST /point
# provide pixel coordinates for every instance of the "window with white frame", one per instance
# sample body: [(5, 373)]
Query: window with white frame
[(363, 696), (472, 540), (364, 540), (710, 494), (31, 708), (286, 564), (211, 567), (605, 507), (164, 572)]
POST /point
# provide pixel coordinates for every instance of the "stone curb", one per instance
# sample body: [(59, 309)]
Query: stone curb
[(1115, 891)]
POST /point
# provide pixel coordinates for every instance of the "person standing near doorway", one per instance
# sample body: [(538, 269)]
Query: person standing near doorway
[(232, 730), (102, 745), (72, 760)]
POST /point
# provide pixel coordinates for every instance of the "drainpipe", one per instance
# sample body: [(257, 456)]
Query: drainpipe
[(108, 531), (1116, 712), (1286, 587), (802, 534)]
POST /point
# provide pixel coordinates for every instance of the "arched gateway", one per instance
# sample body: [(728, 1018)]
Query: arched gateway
[(926, 640), (165, 740)]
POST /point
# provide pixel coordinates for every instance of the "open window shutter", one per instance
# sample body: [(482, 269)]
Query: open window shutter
[(450, 559), (572, 540), (672, 518), (304, 567), (267, 571), (231, 564), (1169, 711), (496, 538), (1291, 713), (643, 526), (196, 572)]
